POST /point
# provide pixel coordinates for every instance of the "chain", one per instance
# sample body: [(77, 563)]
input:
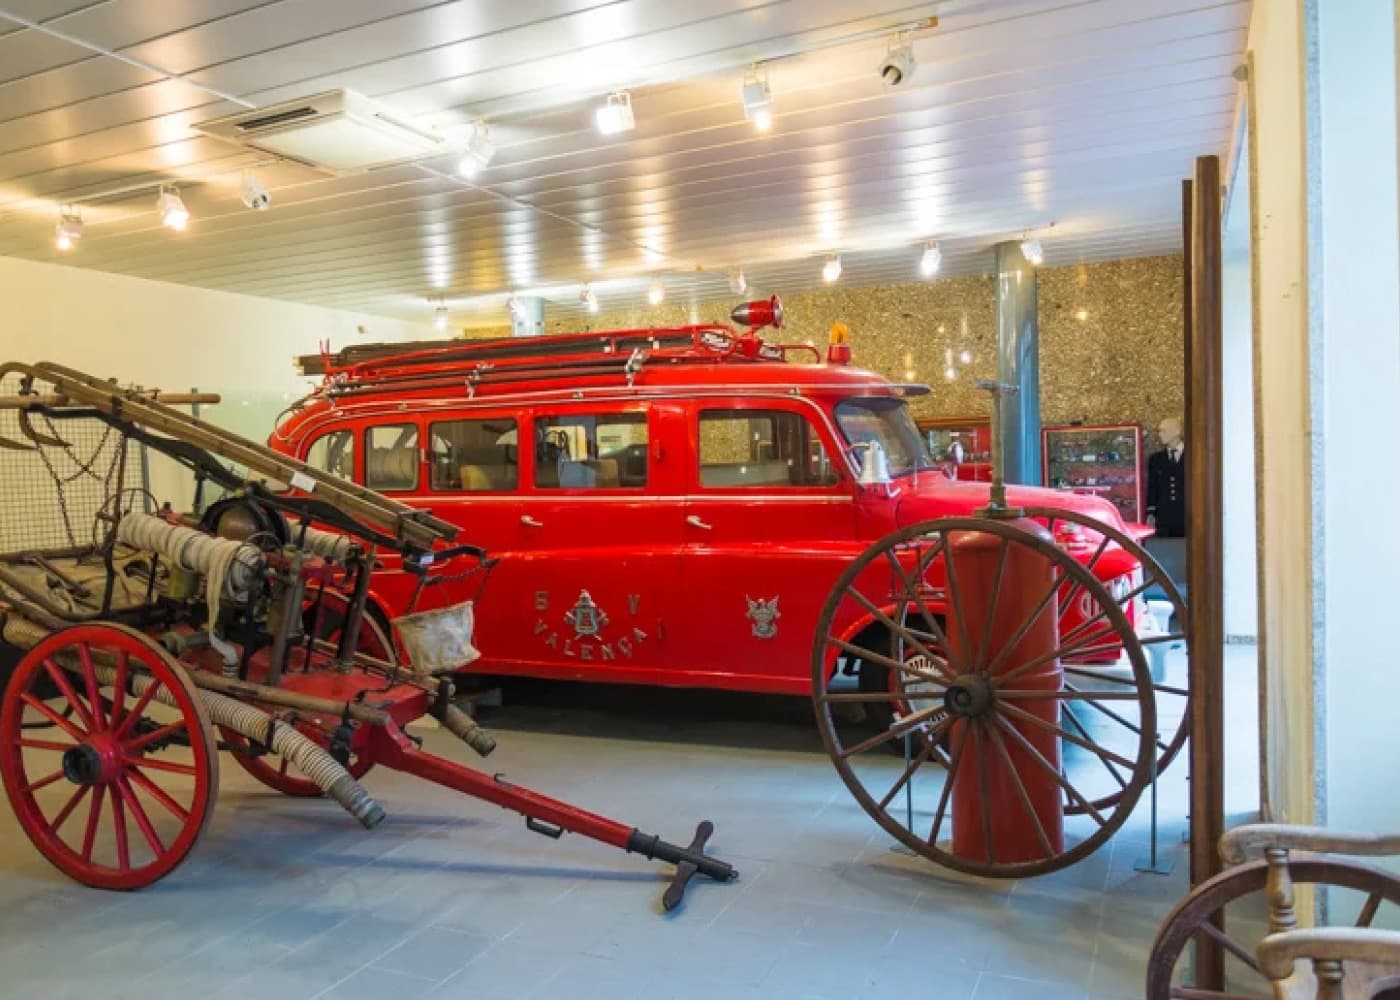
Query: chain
[(83, 469)]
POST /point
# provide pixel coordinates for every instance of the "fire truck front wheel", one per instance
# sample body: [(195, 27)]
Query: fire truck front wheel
[(909, 691)]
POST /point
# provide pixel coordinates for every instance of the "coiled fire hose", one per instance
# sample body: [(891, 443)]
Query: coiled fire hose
[(309, 758), (228, 567)]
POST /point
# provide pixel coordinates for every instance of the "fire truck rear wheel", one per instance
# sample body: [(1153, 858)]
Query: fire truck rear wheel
[(875, 677)]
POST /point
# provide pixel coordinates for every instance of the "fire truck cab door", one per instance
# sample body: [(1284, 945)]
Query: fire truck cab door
[(602, 535), (769, 525)]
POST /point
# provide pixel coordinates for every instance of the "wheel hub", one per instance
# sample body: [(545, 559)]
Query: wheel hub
[(91, 764), (968, 697)]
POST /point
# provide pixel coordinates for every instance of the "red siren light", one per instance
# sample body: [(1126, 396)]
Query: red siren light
[(759, 313)]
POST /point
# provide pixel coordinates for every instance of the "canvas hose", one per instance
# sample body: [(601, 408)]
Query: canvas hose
[(327, 544), (228, 567)]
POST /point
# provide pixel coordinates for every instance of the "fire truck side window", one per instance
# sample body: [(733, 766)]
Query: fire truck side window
[(605, 451), (761, 448), (475, 455), (391, 457), (333, 453)]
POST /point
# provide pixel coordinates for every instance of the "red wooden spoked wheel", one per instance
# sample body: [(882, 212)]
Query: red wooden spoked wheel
[(274, 771), (107, 755), (995, 711)]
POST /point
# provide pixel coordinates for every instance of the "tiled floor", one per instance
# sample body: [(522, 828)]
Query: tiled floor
[(452, 898)]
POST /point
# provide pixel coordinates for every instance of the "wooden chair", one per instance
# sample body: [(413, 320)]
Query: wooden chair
[(1322, 963)]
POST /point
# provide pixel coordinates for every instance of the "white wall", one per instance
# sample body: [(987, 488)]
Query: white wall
[(1358, 299), (175, 336), (1241, 562)]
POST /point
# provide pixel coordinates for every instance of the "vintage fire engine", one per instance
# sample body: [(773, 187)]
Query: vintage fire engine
[(139, 642), (674, 506)]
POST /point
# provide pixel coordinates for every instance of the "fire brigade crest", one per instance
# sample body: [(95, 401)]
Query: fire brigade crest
[(764, 615), (585, 617)]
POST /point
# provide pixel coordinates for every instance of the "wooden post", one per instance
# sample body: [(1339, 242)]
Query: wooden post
[(1204, 545)]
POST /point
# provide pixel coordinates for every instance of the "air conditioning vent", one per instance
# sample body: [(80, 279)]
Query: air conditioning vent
[(281, 118), (341, 132)]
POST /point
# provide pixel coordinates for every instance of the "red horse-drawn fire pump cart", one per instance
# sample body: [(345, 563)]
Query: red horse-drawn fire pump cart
[(141, 642)]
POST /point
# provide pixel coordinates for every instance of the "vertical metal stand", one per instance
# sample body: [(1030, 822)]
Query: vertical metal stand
[(908, 802), (1154, 863)]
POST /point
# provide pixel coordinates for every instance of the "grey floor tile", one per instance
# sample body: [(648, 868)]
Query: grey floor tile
[(434, 953), (994, 987), (378, 984)]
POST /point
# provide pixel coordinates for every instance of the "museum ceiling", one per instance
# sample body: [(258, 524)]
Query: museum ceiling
[(1014, 115)]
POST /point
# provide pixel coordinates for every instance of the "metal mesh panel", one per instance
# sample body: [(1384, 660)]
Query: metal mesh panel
[(50, 497)]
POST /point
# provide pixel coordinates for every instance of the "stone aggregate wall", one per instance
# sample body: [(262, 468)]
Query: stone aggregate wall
[(1111, 346)]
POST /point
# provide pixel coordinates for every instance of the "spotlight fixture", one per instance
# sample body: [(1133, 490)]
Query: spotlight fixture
[(588, 298), (254, 194), (758, 99), (171, 208), (831, 270), (479, 152), (898, 65), (440, 318), (615, 114), (1032, 251), (738, 282), (656, 294), (69, 229), (931, 261), (965, 357)]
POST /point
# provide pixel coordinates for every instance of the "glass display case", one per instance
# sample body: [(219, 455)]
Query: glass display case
[(961, 446), (1103, 461)]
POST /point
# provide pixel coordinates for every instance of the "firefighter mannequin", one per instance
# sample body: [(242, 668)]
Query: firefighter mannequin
[(1166, 482)]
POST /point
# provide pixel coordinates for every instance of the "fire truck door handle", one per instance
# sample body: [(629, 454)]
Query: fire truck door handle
[(696, 522), (530, 522)]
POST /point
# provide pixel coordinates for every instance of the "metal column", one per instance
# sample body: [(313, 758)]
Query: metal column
[(527, 316), (1018, 364)]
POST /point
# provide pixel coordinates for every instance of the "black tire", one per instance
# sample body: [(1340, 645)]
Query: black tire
[(875, 677)]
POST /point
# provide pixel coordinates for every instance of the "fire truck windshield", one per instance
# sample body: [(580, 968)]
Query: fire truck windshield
[(886, 420)]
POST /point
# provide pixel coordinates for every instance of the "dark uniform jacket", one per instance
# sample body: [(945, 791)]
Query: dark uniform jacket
[(1166, 493)]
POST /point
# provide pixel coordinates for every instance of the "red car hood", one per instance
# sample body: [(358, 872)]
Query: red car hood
[(935, 495)]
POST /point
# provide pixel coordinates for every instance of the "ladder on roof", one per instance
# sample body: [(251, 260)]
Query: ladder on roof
[(363, 359), (369, 369)]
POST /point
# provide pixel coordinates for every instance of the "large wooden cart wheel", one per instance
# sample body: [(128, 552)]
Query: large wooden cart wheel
[(1239, 894), (1081, 533), (326, 620), (107, 755), (968, 702)]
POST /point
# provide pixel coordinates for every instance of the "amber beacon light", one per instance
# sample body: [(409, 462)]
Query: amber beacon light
[(838, 351), (759, 313)]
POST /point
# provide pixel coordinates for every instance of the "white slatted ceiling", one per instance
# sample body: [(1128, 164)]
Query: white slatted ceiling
[(1085, 112)]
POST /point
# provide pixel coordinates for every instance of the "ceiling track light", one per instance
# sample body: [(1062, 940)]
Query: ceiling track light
[(253, 192), (831, 270), (171, 208), (656, 294), (758, 99), (588, 298), (1032, 250), (478, 152), (931, 260), (615, 115), (898, 66), (69, 228), (738, 282)]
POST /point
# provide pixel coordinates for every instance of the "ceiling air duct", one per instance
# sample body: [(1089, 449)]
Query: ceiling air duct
[(340, 132)]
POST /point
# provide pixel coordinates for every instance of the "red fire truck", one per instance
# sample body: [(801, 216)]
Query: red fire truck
[(670, 506)]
